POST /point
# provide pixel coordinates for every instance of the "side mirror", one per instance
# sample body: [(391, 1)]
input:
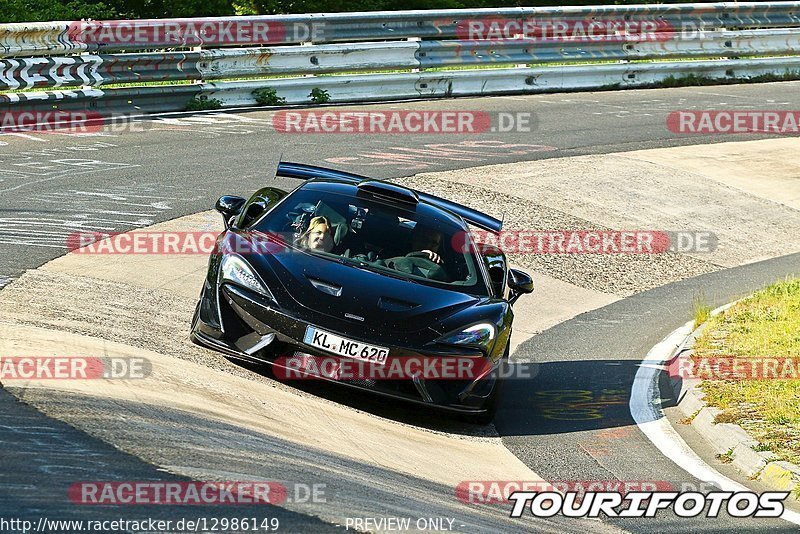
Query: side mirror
[(520, 283), (262, 200), (229, 206), (496, 266)]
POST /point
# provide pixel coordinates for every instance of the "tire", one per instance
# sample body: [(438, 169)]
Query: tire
[(195, 319), (493, 401)]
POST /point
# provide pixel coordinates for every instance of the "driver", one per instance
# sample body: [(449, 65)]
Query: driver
[(428, 241), (318, 236)]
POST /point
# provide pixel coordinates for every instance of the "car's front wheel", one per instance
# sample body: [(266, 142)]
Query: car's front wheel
[(493, 400)]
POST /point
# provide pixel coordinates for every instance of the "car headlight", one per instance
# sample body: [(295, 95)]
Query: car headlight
[(235, 269), (480, 335)]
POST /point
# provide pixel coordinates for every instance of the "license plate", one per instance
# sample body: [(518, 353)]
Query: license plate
[(342, 346)]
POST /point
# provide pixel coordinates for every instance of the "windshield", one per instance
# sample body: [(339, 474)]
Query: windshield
[(414, 243)]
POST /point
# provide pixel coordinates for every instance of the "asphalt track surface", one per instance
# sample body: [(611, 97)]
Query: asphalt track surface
[(43, 457), (53, 185), (590, 361)]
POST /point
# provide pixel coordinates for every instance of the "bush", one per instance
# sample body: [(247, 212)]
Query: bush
[(319, 96), (268, 97), (203, 103)]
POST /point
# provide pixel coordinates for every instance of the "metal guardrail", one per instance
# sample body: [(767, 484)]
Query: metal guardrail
[(46, 38), (379, 87), (710, 44), (95, 70), (92, 70), (378, 41), (382, 87)]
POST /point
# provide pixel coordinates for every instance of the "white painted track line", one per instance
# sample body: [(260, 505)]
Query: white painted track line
[(645, 407)]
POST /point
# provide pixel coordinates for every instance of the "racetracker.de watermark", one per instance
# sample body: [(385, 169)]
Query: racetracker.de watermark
[(733, 121), (157, 243), (592, 241), (177, 493), (69, 122), (309, 367), (509, 241), (414, 122), (193, 32), (73, 368), (724, 367), (565, 30), (181, 243)]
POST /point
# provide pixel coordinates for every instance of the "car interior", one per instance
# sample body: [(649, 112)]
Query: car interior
[(380, 236)]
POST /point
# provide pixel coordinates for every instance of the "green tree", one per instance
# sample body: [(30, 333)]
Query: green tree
[(47, 10), (143, 9)]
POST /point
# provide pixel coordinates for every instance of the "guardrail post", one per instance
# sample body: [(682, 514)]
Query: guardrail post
[(415, 40)]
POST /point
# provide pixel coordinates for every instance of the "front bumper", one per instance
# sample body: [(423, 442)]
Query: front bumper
[(240, 318)]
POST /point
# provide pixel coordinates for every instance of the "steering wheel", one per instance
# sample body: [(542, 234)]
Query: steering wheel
[(421, 261), (420, 255)]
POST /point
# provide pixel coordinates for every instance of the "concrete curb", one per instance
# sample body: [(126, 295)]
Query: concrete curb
[(729, 439)]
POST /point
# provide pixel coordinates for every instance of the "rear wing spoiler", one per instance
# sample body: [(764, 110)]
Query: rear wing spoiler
[(306, 172)]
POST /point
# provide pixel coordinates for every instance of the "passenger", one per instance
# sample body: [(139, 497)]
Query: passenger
[(318, 236), (428, 241)]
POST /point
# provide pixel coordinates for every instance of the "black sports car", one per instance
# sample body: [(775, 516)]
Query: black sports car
[(364, 283)]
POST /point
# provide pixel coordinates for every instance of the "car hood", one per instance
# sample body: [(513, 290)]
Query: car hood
[(369, 300)]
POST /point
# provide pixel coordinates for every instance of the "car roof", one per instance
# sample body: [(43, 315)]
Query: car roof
[(348, 188)]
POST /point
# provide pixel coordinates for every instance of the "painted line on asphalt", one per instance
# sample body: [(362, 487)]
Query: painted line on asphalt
[(645, 407)]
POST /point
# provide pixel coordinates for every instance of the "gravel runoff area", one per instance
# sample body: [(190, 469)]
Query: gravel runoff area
[(619, 274)]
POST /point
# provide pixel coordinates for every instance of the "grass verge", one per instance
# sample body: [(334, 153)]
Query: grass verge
[(767, 325)]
